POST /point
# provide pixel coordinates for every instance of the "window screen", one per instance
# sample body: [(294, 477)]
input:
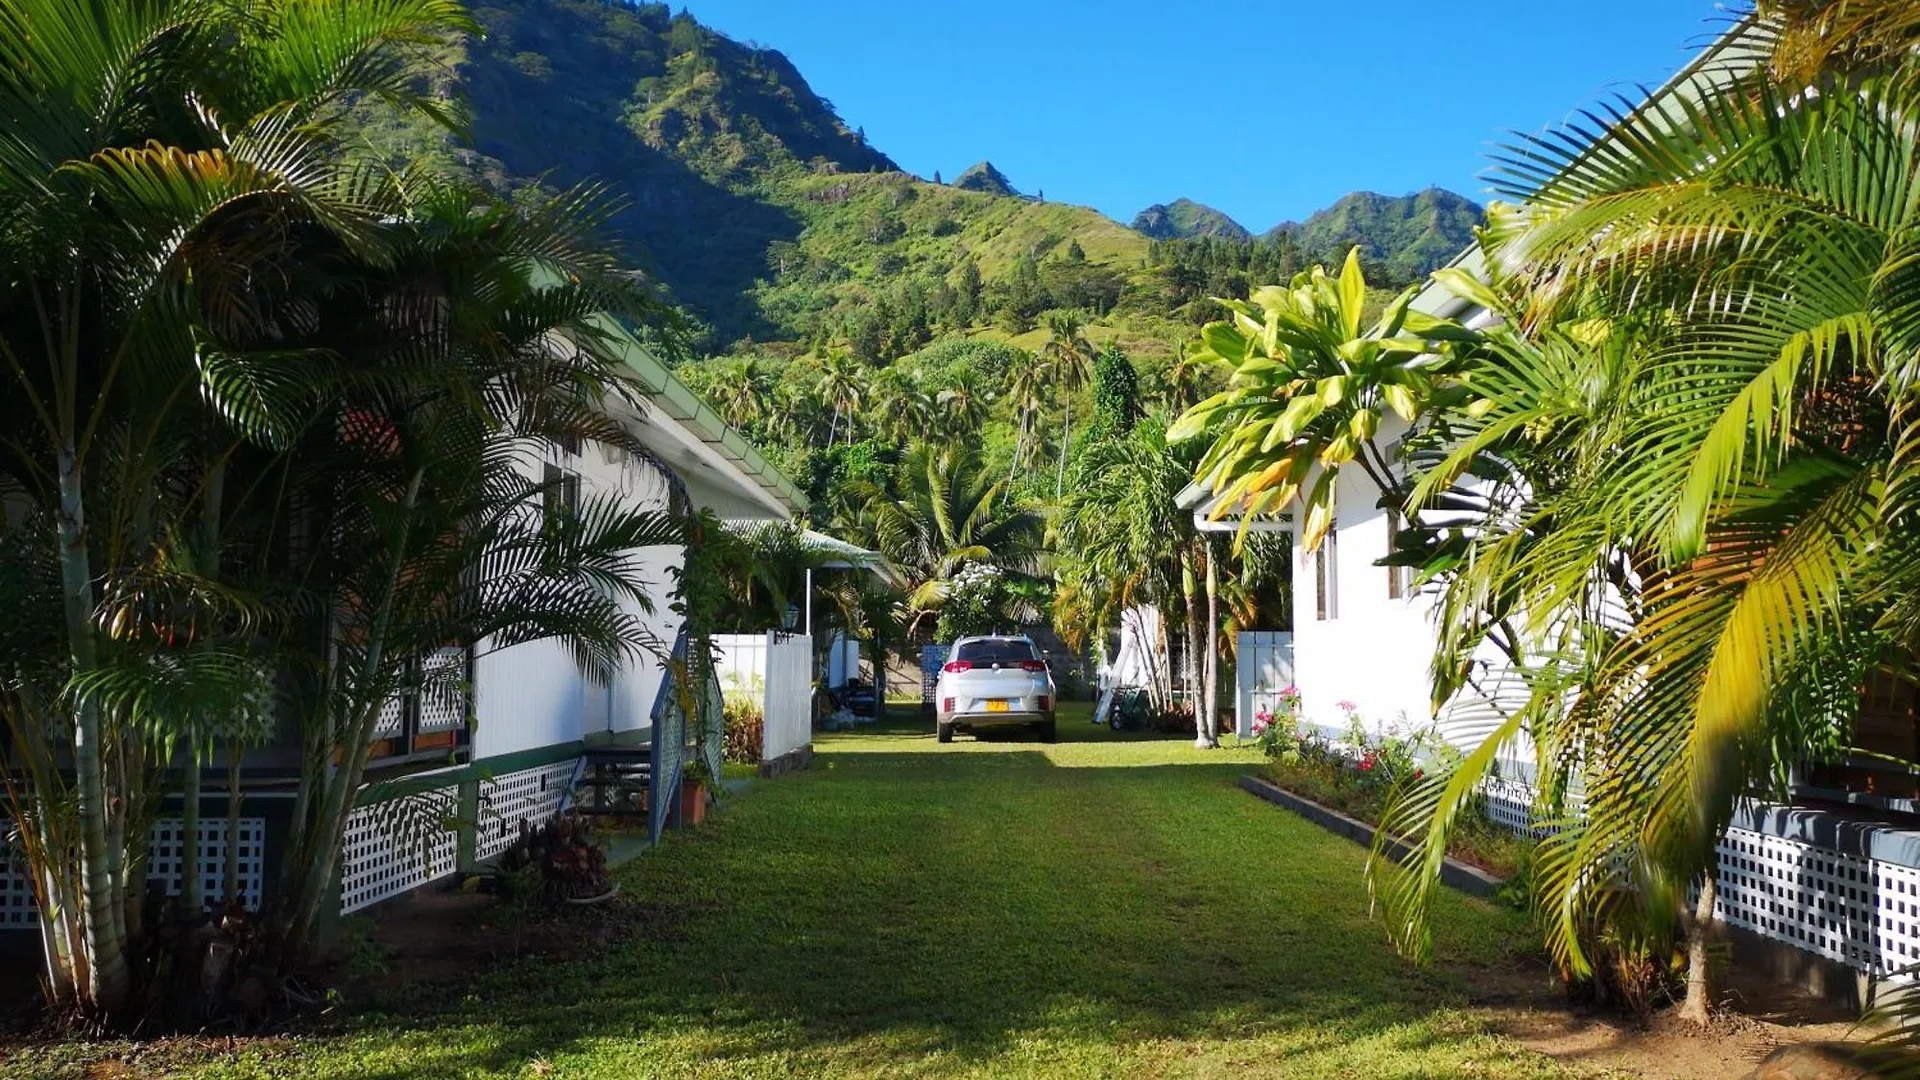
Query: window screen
[(997, 651)]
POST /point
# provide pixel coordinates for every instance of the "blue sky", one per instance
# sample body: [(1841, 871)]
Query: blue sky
[(1267, 109)]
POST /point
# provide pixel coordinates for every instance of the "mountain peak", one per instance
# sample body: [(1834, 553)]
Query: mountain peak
[(1184, 219), (982, 176), (1408, 236)]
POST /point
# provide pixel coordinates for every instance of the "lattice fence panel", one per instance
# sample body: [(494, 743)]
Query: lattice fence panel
[(163, 858), (393, 717), (398, 845), (1862, 912), (529, 795), (18, 910), (443, 698)]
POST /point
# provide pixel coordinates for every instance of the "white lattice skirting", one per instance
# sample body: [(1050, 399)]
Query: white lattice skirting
[(19, 912), (1855, 909), (398, 845), (529, 795)]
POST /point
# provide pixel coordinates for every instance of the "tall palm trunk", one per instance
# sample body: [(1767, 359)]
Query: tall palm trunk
[(1066, 440), (327, 832), (106, 979), (1211, 675), (1190, 592), (1698, 1006)]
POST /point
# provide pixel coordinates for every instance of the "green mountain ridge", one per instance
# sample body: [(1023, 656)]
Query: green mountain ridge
[(1184, 219), (769, 219), (1408, 236)]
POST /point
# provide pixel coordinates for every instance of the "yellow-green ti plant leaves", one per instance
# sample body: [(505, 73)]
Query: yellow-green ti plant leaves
[(1309, 389)]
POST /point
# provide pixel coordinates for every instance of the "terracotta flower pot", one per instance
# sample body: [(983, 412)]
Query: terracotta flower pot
[(693, 802)]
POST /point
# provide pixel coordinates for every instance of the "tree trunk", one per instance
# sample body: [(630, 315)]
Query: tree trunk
[(192, 904), (1211, 673), (1066, 440), (102, 910), (231, 879), (1698, 1006), (1190, 591)]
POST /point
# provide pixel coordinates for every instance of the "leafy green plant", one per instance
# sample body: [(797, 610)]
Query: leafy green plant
[(745, 732)]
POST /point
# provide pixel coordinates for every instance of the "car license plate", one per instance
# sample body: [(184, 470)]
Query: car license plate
[(996, 706)]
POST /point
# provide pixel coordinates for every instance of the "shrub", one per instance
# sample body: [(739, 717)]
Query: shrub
[(746, 730)]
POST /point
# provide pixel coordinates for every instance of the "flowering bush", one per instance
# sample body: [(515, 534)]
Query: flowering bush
[(1357, 774), (976, 602)]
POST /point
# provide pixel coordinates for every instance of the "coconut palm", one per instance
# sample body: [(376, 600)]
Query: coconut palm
[(950, 514), (842, 387), (744, 392), (1028, 389), (1070, 357), (1703, 400), (963, 405)]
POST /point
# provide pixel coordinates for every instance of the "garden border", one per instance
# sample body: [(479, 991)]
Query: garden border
[(1463, 876)]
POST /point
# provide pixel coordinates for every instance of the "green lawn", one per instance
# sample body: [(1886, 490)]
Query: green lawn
[(1100, 907)]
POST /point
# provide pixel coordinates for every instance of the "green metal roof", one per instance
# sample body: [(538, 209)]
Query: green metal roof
[(677, 400)]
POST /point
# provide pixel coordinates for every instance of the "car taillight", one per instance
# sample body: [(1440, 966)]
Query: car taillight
[(1046, 702), (949, 704), (957, 665), (1033, 665)]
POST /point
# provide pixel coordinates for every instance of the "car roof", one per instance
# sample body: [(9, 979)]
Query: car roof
[(993, 637)]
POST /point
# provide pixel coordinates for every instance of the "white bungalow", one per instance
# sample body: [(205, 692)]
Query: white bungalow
[(535, 717)]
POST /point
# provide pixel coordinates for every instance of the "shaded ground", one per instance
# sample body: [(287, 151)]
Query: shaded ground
[(1101, 907)]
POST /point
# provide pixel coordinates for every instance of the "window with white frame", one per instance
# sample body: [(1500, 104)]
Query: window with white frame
[(1326, 576), (1399, 578)]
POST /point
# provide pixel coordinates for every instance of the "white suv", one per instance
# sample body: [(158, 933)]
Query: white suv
[(994, 682)]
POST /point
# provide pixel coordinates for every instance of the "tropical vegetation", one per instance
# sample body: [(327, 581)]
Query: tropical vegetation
[(1671, 488), (268, 416)]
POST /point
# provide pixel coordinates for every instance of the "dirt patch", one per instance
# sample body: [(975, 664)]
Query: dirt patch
[(445, 935), (1755, 1017)]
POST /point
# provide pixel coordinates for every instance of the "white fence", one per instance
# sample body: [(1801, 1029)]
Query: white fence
[(1263, 668), (774, 670)]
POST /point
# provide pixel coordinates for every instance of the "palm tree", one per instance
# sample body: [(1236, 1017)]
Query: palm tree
[(842, 388), (1070, 356), (129, 219), (949, 514), (1183, 376), (963, 405), (1028, 388), (454, 367), (1123, 540), (1696, 465), (745, 392)]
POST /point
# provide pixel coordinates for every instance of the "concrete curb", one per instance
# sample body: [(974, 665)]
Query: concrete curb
[(1462, 876), (791, 761)]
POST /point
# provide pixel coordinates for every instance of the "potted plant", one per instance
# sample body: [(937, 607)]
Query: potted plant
[(695, 782)]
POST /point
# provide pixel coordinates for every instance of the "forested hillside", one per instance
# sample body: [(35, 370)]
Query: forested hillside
[(769, 219)]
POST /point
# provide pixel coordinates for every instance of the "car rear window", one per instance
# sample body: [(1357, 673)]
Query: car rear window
[(997, 651)]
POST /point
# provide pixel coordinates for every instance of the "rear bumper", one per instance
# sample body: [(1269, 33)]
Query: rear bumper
[(995, 719)]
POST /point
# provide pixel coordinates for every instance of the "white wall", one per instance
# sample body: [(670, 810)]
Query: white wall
[(773, 670), (533, 695), (1375, 651)]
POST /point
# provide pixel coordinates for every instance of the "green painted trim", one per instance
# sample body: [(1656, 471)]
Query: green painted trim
[(483, 769), (677, 400), (630, 737)]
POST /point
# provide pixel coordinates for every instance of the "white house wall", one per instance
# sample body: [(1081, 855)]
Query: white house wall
[(1374, 652), (534, 695)]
